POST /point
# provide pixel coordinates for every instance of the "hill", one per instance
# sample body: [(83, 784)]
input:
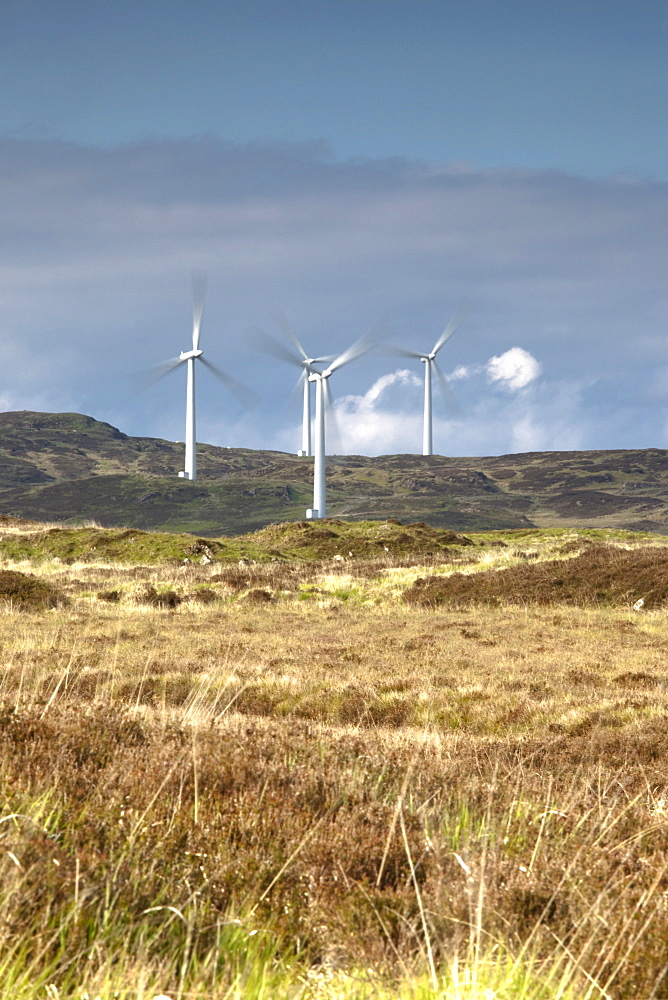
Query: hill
[(66, 467)]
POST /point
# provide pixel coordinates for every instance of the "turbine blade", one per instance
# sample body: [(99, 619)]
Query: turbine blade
[(333, 436), (199, 279), (286, 327), (449, 398), (149, 376), (454, 324), (266, 343), (356, 350), (298, 388), (245, 396), (399, 352)]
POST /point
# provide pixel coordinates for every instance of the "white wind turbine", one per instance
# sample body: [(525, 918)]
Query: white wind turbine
[(323, 404), (300, 359), (189, 358), (430, 365)]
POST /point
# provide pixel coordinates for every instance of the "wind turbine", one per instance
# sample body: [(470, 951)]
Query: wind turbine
[(189, 358), (430, 366), (299, 359), (323, 404)]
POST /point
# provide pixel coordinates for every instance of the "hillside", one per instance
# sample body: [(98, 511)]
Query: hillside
[(69, 467)]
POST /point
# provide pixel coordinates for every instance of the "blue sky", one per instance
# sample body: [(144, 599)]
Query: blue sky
[(578, 86), (345, 161)]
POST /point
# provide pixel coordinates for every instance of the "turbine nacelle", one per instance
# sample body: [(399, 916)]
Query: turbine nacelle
[(187, 355), (296, 356)]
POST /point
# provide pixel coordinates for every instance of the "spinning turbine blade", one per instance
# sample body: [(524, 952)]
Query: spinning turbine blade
[(356, 350), (243, 394), (453, 325), (290, 334), (449, 397), (400, 352), (333, 426), (298, 388), (199, 279), (270, 346), (150, 376)]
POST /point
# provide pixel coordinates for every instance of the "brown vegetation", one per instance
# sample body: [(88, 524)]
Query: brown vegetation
[(601, 575), (24, 591)]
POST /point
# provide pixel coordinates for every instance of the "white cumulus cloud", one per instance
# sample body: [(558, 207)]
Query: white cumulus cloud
[(379, 422), (514, 369), (366, 403)]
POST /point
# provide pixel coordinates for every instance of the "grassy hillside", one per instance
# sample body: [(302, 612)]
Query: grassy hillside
[(298, 540), (333, 762), (68, 467)]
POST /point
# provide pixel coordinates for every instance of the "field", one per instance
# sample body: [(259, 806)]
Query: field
[(333, 761)]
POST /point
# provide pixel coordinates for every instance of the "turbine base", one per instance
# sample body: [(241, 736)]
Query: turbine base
[(312, 514)]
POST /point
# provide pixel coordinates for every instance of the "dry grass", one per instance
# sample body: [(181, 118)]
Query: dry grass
[(330, 781)]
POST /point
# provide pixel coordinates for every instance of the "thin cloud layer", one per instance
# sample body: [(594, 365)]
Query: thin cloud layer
[(97, 247)]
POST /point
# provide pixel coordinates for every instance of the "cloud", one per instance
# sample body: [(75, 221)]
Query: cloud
[(97, 246), (465, 371), (379, 421), (367, 402), (514, 369), (388, 418)]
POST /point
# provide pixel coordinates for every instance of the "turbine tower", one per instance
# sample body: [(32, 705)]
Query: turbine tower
[(199, 291), (323, 404), (300, 359), (189, 358), (431, 367)]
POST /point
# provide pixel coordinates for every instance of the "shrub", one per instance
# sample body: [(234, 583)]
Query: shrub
[(111, 596), (601, 575), (258, 596), (159, 599), (205, 595), (28, 592)]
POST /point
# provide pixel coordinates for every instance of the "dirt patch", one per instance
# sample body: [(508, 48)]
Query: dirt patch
[(602, 575)]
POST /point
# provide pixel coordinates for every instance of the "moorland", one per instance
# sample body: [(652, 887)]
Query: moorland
[(333, 760), (67, 467)]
